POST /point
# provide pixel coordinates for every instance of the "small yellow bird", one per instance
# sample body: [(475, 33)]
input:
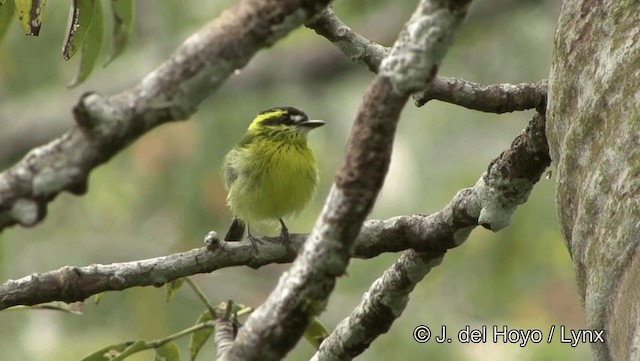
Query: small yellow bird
[(271, 173)]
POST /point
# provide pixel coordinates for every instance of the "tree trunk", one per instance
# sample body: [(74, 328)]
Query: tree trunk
[(593, 129)]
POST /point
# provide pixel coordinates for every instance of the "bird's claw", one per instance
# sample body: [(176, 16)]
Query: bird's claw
[(254, 242), (286, 240)]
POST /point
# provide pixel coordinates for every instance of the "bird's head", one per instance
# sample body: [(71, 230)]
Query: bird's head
[(285, 120)]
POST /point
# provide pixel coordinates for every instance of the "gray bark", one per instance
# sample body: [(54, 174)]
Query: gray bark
[(593, 129)]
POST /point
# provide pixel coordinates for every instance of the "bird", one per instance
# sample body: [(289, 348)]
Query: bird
[(271, 173)]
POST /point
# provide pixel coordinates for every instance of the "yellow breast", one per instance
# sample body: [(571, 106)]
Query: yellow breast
[(273, 179)]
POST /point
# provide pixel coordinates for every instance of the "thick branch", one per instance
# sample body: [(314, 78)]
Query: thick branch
[(498, 98), (381, 305), (524, 161), (107, 124)]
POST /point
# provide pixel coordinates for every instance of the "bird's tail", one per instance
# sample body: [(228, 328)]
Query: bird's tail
[(236, 231)]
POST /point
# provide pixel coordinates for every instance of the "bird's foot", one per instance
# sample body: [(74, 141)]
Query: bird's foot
[(284, 235), (254, 242)]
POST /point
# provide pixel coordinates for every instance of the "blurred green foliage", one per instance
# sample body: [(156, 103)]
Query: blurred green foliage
[(165, 192)]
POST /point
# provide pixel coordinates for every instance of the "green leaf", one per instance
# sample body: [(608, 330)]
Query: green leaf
[(82, 12), (242, 310), (123, 14), (90, 47), (117, 352), (30, 15), (74, 308), (98, 297), (137, 346), (6, 14), (172, 287), (167, 352), (315, 333), (109, 352), (199, 337)]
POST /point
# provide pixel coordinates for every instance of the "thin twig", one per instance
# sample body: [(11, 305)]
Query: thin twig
[(198, 291), (182, 333)]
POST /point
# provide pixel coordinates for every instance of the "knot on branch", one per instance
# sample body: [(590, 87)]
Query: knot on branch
[(95, 113), (27, 212), (498, 198), (509, 179)]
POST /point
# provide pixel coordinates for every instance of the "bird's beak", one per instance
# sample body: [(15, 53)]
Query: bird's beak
[(312, 124)]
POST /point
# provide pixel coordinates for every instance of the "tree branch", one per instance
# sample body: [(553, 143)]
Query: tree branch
[(226, 328), (73, 283), (499, 98), (358, 48), (381, 305), (523, 163), (105, 125)]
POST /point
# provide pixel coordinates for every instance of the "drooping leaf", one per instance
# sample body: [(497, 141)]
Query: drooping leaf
[(6, 15), (315, 333), (242, 310), (30, 14), (167, 352), (109, 352), (172, 287), (130, 350), (98, 297), (73, 308), (90, 47), (82, 12), (199, 337), (123, 14)]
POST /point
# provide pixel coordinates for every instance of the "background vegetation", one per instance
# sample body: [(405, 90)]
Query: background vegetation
[(165, 192)]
